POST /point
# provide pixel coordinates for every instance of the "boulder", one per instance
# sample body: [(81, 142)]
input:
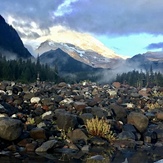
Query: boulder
[(143, 92), (46, 146), (126, 135), (86, 116), (119, 112), (10, 129), (159, 116), (38, 133), (79, 106), (116, 84), (97, 111), (139, 120), (66, 121), (77, 135)]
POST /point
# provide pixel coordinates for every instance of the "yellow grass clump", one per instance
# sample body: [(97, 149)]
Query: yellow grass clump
[(153, 106), (99, 127), (157, 94)]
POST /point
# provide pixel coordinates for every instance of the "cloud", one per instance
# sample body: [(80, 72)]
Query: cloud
[(103, 17), (115, 17), (38, 11), (155, 46), (30, 35)]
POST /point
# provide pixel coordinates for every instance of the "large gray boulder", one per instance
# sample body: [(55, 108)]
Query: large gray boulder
[(66, 121), (119, 112), (10, 129), (139, 120)]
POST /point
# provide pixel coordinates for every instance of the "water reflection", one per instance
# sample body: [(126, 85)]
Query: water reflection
[(96, 155)]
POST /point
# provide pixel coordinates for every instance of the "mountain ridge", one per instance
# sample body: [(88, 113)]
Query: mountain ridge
[(89, 57), (10, 42), (63, 62)]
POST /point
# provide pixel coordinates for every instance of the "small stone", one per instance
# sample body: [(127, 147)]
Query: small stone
[(85, 148), (116, 84), (159, 116), (96, 157), (47, 115), (38, 133), (30, 147), (79, 106), (35, 100), (147, 139)]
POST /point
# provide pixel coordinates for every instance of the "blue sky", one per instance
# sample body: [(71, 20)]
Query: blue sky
[(132, 44), (127, 27)]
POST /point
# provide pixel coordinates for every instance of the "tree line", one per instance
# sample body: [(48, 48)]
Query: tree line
[(26, 70), (149, 78)]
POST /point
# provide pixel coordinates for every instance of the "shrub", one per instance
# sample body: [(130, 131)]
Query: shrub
[(99, 127), (153, 106), (157, 94)]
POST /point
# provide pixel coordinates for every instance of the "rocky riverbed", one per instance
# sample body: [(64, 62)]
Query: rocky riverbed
[(49, 122)]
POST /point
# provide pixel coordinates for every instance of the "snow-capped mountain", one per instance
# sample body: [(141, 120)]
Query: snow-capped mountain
[(80, 46), (90, 57)]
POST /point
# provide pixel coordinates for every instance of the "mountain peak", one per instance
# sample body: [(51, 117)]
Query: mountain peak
[(89, 57), (11, 45), (84, 41), (2, 20)]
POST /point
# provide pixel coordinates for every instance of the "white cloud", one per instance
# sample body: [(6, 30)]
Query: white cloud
[(64, 8)]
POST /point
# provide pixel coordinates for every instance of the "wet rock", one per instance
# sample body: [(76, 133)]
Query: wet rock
[(10, 129), (38, 133), (139, 120), (46, 146), (30, 147), (96, 157), (23, 142)]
